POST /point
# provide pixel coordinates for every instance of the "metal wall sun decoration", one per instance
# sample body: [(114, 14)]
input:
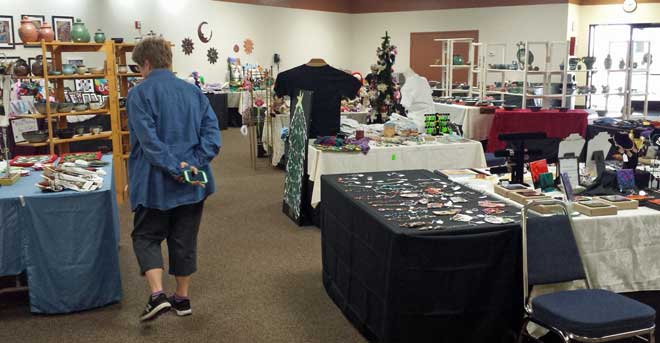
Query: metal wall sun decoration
[(248, 45), (188, 46), (212, 55)]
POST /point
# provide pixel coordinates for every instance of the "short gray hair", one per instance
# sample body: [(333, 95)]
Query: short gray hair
[(155, 50)]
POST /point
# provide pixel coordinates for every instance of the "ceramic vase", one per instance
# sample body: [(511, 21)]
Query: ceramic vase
[(28, 32), (458, 60), (622, 64), (79, 32), (38, 67), (589, 61), (99, 36), (46, 33), (608, 62), (21, 68)]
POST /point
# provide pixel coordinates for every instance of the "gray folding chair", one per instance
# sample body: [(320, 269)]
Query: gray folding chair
[(551, 255)]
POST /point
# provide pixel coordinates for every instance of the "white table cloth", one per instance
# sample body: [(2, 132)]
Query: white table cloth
[(361, 117), (621, 253), (427, 156), (277, 149), (475, 124)]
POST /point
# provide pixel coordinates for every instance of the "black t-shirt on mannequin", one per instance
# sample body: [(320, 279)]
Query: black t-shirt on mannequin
[(329, 86)]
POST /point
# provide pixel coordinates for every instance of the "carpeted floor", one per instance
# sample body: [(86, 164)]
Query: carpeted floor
[(259, 277)]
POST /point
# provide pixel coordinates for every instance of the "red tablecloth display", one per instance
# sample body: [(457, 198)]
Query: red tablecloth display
[(554, 123)]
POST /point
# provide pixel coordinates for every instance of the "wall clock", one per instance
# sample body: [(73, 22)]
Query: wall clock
[(629, 6)]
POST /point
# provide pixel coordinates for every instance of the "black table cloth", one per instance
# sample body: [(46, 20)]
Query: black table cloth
[(218, 102), (460, 284)]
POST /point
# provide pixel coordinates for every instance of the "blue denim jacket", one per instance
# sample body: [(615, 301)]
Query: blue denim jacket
[(170, 122)]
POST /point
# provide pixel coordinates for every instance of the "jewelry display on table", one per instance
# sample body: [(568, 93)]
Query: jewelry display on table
[(426, 204)]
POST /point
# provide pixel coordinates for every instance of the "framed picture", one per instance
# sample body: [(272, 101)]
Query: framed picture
[(37, 20), (93, 98), (62, 28), (86, 98), (101, 86), (85, 85), (76, 62), (7, 32)]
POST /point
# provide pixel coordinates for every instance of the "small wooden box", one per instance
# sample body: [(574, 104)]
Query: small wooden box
[(621, 205), (522, 199), (548, 209), (13, 178), (609, 210), (506, 192)]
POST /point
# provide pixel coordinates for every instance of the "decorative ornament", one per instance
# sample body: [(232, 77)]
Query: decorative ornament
[(200, 34), (237, 48), (212, 55), (187, 46), (248, 45)]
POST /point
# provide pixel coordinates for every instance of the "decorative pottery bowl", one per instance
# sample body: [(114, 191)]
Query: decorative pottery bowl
[(41, 107), (38, 136), (534, 108), (80, 130), (95, 130), (54, 72), (81, 69), (563, 109), (93, 70), (96, 105), (509, 107), (65, 133), (68, 69), (134, 68), (118, 40), (80, 107), (601, 113), (122, 69), (65, 107)]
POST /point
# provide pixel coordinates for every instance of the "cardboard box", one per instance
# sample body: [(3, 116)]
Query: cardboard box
[(621, 205), (607, 210)]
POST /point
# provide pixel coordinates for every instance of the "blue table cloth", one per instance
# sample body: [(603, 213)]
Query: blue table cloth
[(67, 243)]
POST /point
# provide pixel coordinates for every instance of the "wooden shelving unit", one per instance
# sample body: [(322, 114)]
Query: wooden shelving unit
[(120, 52), (55, 120)]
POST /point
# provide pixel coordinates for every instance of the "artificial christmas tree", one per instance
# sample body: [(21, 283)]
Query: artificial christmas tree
[(384, 90)]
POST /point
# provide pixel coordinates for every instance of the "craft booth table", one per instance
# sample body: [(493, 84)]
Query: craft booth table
[(468, 154), (66, 242), (554, 123), (475, 125), (461, 283)]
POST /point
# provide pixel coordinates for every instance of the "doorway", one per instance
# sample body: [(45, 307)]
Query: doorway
[(424, 51)]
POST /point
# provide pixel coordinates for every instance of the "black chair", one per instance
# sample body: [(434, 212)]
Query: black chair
[(551, 255)]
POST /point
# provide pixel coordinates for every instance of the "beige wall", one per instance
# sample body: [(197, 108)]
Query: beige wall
[(495, 24), (610, 14), (297, 35)]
